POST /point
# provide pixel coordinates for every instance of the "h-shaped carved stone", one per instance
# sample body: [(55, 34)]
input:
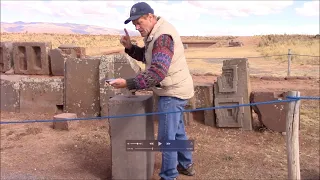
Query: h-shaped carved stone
[(227, 82)]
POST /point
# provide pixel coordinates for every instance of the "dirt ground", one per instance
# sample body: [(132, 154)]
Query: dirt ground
[(38, 151)]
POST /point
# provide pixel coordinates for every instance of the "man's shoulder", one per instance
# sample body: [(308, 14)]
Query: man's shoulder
[(164, 37), (164, 40)]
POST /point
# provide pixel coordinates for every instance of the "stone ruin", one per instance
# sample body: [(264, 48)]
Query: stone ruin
[(230, 89), (36, 78), (198, 44), (235, 43)]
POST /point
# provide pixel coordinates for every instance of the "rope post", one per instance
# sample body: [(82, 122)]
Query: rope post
[(292, 135), (289, 62)]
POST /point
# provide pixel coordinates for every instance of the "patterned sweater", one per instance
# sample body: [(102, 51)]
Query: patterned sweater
[(161, 58)]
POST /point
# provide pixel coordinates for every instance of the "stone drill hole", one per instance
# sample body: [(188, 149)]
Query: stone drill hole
[(22, 58), (36, 50), (1, 58)]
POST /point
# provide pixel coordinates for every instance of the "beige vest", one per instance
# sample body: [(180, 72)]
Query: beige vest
[(178, 82)]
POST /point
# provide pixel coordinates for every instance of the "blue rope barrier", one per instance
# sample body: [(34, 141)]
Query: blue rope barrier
[(304, 97), (290, 99), (145, 114)]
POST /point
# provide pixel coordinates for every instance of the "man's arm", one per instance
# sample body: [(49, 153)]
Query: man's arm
[(162, 54), (136, 52)]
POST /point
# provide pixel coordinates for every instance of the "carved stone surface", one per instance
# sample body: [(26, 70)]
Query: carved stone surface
[(114, 66), (82, 86), (135, 164), (228, 81), (31, 58), (6, 59), (229, 117), (234, 86)]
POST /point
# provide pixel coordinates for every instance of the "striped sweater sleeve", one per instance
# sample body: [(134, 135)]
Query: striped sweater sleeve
[(162, 54)]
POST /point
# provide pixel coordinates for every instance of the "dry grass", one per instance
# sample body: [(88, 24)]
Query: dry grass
[(58, 39), (310, 118), (222, 52), (299, 44)]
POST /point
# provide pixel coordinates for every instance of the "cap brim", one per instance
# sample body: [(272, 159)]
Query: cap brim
[(132, 18)]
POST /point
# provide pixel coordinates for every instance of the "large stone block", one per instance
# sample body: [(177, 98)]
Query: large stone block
[(82, 86), (131, 165), (203, 98), (41, 94), (233, 87), (31, 58), (273, 116), (10, 92), (114, 66), (71, 48), (57, 59), (6, 59)]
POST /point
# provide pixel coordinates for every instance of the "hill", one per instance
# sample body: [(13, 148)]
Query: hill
[(59, 28)]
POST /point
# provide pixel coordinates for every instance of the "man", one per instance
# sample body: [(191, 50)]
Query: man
[(168, 75)]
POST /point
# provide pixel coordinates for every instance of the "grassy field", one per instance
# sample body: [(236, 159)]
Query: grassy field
[(303, 45), (204, 60)]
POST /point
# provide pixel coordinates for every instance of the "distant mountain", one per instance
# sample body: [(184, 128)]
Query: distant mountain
[(63, 28)]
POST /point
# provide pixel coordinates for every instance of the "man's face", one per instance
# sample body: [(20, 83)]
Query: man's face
[(143, 25)]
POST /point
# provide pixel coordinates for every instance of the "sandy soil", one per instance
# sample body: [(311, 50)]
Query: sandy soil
[(36, 150)]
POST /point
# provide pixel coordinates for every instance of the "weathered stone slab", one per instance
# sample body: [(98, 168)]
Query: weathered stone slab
[(125, 66), (57, 59), (31, 58), (203, 98), (233, 87), (114, 66), (134, 164), (10, 92), (71, 48), (273, 116), (41, 94), (65, 125), (6, 59), (82, 86)]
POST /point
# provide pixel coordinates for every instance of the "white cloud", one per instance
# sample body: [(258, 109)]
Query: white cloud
[(67, 8), (263, 29), (183, 13), (310, 8), (228, 9), (176, 10), (82, 12)]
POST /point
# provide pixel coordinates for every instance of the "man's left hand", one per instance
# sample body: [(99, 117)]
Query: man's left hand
[(119, 83)]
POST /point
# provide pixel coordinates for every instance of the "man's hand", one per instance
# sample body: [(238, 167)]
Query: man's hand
[(119, 83), (125, 40)]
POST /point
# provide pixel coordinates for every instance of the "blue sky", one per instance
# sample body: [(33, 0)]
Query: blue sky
[(189, 17)]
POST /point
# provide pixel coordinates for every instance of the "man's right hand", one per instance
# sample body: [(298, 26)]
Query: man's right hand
[(125, 40)]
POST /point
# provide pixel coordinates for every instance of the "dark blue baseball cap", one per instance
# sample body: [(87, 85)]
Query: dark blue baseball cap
[(137, 10)]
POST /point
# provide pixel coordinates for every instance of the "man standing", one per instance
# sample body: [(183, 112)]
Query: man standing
[(168, 75)]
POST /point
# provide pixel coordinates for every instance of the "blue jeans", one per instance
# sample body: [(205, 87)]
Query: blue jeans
[(171, 127)]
